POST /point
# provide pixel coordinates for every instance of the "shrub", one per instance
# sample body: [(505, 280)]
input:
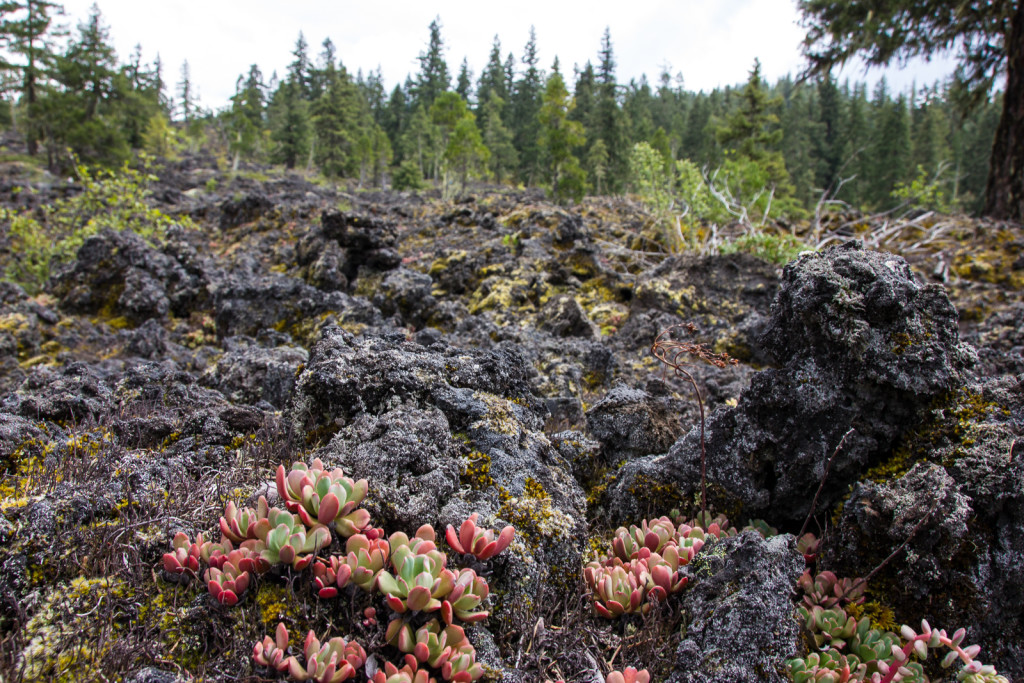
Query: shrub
[(114, 200)]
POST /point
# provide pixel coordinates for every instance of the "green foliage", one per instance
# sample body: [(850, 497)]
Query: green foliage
[(408, 176), (559, 137), (110, 200), (924, 192), (675, 194), (780, 248)]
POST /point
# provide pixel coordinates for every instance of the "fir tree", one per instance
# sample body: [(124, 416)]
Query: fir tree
[(498, 139), (559, 137), (25, 26), (526, 102), (607, 121), (433, 78)]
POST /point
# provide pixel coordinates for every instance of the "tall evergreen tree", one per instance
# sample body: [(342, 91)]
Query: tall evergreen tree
[(889, 146), (498, 139), (526, 102), (246, 117), (828, 143), (300, 70), (338, 116), (492, 79), (84, 111), (434, 77), (559, 138), (25, 28), (464, 83), (288, 118), (608, 123), (187, 95)]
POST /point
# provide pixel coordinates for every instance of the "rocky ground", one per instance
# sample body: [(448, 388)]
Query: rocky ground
[(492, 355)]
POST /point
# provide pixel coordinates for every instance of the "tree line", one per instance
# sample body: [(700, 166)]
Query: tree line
[(516, 122)]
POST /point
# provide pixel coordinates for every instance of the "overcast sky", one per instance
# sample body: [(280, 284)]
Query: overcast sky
[(711, 42)]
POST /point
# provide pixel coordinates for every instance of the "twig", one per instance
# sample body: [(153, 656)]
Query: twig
[(824, 476)]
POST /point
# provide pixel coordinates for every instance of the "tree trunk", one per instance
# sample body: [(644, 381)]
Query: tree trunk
[(1004, 196)]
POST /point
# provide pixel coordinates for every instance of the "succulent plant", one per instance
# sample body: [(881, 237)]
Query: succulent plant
[(468, 593), (462, 666), (240, 524), (825, 667), (808, 545), (628, 675), (367, 558), (183, 560), (324, 497), (831, 627), (653, 535), (616, 591), (920, 643), (419, 583), (273, 653), (762, 527), (827, 590), (333, 661), (330, 575), (212, 552), (431, 644), (289, 541), (477, 541), (409, 673), (227, 583)]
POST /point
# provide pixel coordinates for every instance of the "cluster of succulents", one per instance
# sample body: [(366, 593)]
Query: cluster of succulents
[(851, 650), (645, 563), (331, 661), (267, 536), (410, 573)]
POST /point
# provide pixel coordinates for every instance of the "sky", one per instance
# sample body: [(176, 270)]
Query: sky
[(711, 43)]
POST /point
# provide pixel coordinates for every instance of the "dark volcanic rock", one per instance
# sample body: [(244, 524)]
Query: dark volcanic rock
[(248, 373), (118, 274), (563, 317), (740, 626), (630, 423), (862, 344), (245, 209)]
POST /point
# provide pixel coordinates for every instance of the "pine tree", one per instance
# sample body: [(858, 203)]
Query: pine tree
[(608, 123), (498, 139), (752, 136), (300, 69), (464, 83), (434, 77), (637, 108), (828, 143), (84, 111), (559, 137), (327, 59), (889, 146), (526, 102), (246, 117), (288, 117), (492, 80), (339, 117), (187, 95), (25, 26)]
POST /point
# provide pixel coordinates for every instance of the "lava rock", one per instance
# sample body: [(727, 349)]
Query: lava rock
[(740, 624)]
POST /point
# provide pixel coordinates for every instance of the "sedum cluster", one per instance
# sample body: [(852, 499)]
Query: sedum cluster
[(645, 563), (426, 597), (850, 650)]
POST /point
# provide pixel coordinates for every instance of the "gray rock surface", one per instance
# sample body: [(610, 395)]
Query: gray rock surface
[(740, 624)]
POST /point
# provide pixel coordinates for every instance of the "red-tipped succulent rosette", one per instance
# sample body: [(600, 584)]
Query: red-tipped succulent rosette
[(481, 543)]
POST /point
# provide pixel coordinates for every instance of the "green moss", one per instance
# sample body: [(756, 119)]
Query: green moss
[(476, 471)]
